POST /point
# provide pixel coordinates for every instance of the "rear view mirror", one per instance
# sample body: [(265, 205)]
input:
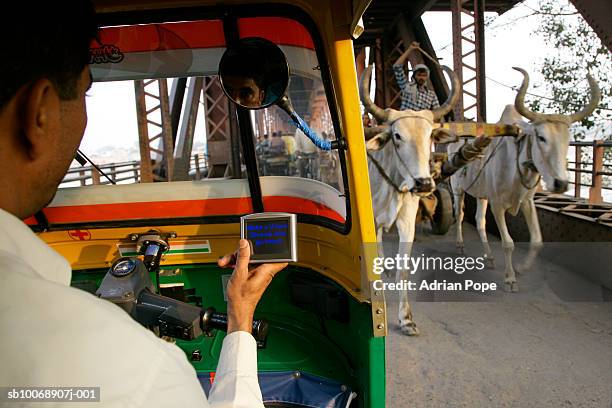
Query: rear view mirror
[(254, 73)]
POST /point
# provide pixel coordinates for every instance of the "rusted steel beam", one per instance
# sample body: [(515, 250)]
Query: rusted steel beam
[(456, 6), (468, 16), (184, 144), (177, 94), (166, 131), (160, 165), (577, 173), (598, 155), (218, 127), (495, 6), (146, 168), (481, 80)]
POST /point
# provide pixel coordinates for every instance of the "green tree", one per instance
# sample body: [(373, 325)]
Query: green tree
[(575, 50)]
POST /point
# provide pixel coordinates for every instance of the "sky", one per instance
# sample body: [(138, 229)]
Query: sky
[(510, 41), (111, 117), (112, 125)]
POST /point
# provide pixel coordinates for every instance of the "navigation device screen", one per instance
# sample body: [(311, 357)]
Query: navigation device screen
[(269, 237)]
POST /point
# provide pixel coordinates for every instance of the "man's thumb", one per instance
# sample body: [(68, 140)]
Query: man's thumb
[(244, 254)]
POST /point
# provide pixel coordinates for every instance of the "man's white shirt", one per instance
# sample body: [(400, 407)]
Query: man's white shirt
[(54, 335), (303, 144)]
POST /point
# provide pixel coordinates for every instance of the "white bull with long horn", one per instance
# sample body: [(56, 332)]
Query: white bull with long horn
[(511, 169), (398, 163)]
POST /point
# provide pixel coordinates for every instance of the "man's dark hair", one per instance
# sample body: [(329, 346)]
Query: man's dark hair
[(51, 41), (244, 60), (255, 58), (420, 69)]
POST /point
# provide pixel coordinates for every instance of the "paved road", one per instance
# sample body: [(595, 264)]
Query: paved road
[(530, 349)]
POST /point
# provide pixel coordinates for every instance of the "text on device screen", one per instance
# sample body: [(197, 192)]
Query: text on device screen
[(269, 237)]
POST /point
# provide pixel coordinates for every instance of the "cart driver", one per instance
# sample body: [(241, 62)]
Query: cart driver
[(54, 335), (415, 95)]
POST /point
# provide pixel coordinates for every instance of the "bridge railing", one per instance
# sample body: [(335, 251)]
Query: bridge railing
[(124, 172), (594, 176), (591, 179)]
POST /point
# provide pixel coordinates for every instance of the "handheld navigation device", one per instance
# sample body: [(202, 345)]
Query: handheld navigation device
[(272, 236)]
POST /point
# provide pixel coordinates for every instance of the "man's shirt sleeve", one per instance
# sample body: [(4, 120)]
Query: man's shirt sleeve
[(400, 77), (236, 384)]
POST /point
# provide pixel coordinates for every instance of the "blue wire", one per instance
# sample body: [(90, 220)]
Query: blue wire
[(311, 134)]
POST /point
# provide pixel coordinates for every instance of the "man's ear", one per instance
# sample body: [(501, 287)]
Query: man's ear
[(41, 116), (378, 141), (442, 135)]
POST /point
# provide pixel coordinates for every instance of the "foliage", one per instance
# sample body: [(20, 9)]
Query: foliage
[(575, 50)]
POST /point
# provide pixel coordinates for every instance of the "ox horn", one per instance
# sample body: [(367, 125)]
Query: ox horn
[(364, 92), (519, 102), (593, 102), (453, 98), (370, 132)]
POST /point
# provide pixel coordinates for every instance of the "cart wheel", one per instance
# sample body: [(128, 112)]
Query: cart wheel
[(443, 216)]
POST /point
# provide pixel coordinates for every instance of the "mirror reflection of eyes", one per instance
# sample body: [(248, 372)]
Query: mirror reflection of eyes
[(244, 91), (254, 73)]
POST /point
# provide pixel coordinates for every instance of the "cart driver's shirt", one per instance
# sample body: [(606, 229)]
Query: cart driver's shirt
[(413, 96), (54, 335)]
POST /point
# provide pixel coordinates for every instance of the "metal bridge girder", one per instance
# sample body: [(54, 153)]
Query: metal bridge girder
[(220, 126), (468, 30), (150, 167), (184, 142)]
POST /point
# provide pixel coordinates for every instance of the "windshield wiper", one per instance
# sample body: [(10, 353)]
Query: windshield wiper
[(82, 159)]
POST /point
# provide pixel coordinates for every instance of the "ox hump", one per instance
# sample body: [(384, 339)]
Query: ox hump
[(510, 116)]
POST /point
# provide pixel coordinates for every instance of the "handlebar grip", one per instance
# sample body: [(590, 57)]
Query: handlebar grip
[(213, 320)]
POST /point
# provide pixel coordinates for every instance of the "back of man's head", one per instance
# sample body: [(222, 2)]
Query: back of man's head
[(50, 40), (43, 80)]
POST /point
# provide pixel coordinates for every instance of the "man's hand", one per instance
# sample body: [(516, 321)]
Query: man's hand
[(245, 287), (402, 58)]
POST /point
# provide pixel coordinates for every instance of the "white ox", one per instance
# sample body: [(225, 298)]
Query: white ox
[(511, 169), (398, 165)]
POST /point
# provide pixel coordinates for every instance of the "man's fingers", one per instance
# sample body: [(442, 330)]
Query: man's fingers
[(227, 260), (263, 274)]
